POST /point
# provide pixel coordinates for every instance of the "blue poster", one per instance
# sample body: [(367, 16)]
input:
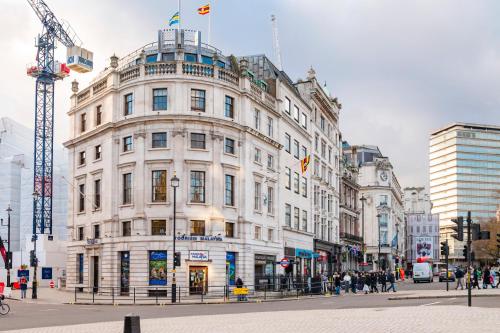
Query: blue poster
[(46, 273), (23, 272), (157, 268), (231, 267)]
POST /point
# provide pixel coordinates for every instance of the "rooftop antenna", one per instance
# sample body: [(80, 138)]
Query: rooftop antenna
[(276, 43)]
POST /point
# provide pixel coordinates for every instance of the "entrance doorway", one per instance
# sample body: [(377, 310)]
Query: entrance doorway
[(198, 280), (95, 275)]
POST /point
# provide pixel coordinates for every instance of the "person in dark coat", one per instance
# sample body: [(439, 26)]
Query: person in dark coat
[(392, 280), (354, 282), (336, 282), (383, 281), (373, 280), (486, 277), (239, 284)]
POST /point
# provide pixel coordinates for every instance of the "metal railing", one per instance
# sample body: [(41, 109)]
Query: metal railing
[(209, 294)]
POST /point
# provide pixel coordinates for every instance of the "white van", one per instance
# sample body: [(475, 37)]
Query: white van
[(422, 272)]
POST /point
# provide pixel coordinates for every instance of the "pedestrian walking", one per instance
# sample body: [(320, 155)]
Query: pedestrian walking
[(324, 283), (392, 280), (486, 277), (459, 275), (24, 286), (383, 281), (347, 282), (336, 281), (354, 283), (366, 288), (402, 273), (373, 280), (475, 278)]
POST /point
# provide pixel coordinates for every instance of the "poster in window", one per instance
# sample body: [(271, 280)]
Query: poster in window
[(231, 267), (424, 247), (157, 268)]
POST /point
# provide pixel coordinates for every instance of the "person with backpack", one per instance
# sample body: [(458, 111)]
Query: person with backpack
[(459, 275)]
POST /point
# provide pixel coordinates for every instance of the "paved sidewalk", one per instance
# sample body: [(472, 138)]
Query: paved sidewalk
[(420, 294), (46, 296), (425, 319)]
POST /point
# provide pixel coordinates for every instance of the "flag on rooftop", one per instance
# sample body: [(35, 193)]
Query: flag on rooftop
[(174, 20), (204, 10)]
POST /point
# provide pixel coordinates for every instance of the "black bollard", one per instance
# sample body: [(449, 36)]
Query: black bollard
[(132, 324)]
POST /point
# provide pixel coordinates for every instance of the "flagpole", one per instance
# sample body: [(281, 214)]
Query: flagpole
[(209, 22), (179, 10)]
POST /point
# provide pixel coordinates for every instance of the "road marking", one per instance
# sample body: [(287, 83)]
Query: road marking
[(430, 303), (45, 310)]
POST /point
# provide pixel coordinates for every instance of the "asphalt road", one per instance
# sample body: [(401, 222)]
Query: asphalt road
[(26, 315)]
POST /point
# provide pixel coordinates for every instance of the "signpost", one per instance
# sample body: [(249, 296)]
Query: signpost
[(284, 262)]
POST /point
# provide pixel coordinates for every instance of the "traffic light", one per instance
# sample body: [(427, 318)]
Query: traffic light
[(459, 228), (8, 260), (177, 259), (32, 258), (445, 250), (466, 251), (477, 234)]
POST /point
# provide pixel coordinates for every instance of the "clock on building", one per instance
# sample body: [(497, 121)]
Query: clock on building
[(383, 176)]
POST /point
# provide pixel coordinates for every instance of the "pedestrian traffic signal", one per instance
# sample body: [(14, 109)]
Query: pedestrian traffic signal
[(466, 252), (177, 259), (459, 228), (445, 251), (33, 260)]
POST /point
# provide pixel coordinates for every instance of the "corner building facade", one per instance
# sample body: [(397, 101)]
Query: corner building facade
[(180, 107)]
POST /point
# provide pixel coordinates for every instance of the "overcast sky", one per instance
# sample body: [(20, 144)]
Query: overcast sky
[(400, 68)]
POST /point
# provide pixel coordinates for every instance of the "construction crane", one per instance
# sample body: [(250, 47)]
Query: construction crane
[(46, 71)]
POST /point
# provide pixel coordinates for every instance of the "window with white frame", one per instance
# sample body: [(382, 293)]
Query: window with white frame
[(257, 155), (257, 232), (270, 127), (270, 161), (257, 206), (197, 187), (296, 182), (288, 105), (287, 143), (288, 180), (304, 220), (288, 215), (296, 218), (304, 187), (270, 199)]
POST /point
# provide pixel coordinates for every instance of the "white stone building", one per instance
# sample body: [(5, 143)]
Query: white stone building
[(228, 128), (383, 211)]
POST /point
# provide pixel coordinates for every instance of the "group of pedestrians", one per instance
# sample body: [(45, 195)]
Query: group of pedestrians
[(365, 282), (486, 275)]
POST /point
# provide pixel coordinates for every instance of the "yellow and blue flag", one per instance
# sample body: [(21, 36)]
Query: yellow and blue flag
[(174, 20)]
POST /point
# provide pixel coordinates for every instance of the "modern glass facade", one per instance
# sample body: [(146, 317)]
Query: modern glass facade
[(465, 171)]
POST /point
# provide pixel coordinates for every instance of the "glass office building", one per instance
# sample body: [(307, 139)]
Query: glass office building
[(464, 162)]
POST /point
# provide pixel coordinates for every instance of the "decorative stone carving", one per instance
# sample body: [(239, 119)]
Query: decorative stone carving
[(74, 86), (113, 61)]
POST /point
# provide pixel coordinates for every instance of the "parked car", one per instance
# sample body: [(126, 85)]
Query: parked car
[(442, 275)]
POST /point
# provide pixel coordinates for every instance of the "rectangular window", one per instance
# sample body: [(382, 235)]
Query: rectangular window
[(160, 99), (158, 227), (296, 149), (197, 100), (288, 180), (229, 191), (258, 155), (81, 198), (257, 197), (198, 141), (288, 105), (288, 215), (316, 225), (159, 140), (304, 220), (197, 228), (316, 195), (128, 107), (190, 57), (270, 235), (197, 194), (81, 233), (270, 200), (303, 120), (304, 187), (270, 127), (83, 122), (296, 182), (82, 158), (270, 161), (151, 58), (98, 152), (127, 143), (323, 149), (229, 107), (97, 194), (287, 142), (257, 232), (97, 231), (229, 146), (256, 116), (126, 228), (230, 229), (330, 203), (316, 142), (80, 267), (127, 189), (322, 123), (329, 154), (323, 199), (159, 186), (296, 217), (296, 113), (98, 115)]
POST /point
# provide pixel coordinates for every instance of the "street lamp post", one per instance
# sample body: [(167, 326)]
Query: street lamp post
[(379, 245), (9, 254), (174, 182), (34, 294), (363, 199)]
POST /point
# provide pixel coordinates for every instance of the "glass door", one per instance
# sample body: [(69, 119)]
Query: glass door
[(198, 280)]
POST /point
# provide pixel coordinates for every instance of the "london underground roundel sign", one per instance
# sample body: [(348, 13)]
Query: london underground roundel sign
[(284, 262)]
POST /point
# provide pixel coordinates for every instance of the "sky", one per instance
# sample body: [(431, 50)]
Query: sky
[(400, 68)]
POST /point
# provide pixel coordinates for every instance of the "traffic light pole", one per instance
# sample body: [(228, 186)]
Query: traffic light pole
[(174, 282), (469, 243), (447, 268)]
